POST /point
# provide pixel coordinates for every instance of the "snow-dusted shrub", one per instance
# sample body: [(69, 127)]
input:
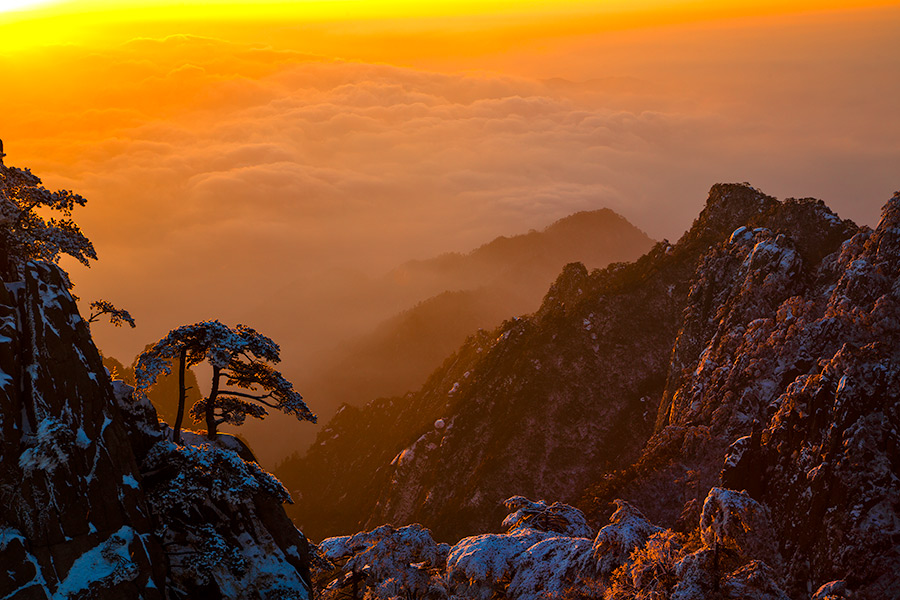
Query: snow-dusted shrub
[(481, 565), (753, 581), (203, 474), (209, 551), (388, 562), (628, 530), (650, 573), (25, 234), (833, 590), (735, 521), (546, 548), (192, 490), (551, 568)]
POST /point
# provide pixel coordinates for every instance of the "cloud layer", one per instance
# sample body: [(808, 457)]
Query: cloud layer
[(223, 174)]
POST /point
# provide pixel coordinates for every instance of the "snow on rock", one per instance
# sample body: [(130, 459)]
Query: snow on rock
[(21, 574), (105, 566), (549, 568), (557, 517)]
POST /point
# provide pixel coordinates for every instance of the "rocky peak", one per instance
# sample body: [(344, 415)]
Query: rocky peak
[(728, 206)]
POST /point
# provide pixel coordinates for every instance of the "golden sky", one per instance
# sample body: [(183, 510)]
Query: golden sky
[(231, 151)]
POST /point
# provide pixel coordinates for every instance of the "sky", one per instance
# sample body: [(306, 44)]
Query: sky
[(231, 152)]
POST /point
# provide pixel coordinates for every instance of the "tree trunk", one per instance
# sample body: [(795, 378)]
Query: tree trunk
[(182, 393), (211, 405)]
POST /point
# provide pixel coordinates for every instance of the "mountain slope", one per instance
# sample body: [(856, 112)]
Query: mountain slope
[(788, 391), (507, 276)]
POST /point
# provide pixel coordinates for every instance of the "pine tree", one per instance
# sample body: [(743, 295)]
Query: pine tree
[(243, 381), (25, 234)]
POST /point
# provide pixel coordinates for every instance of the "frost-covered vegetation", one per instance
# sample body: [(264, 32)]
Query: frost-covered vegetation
[(27, 235), (117, 316)]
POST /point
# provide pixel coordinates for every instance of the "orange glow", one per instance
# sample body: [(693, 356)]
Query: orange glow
[(232, 153)]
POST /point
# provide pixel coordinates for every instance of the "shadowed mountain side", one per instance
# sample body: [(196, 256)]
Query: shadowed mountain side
[(390, 348)]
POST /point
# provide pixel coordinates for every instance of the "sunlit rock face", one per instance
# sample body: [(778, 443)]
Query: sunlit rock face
[(758, 356), (73, 519), (97, 503)]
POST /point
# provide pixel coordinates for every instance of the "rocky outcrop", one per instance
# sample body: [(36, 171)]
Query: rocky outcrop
[(219, 515)]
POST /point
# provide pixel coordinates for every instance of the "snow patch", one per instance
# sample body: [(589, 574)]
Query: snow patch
[(103, 566)]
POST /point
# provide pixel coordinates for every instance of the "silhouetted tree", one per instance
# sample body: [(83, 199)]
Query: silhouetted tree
[(117, 316), (26, 235), (239, 358)]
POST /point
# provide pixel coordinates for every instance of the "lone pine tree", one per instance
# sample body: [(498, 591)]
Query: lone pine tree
[(243, 380)]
